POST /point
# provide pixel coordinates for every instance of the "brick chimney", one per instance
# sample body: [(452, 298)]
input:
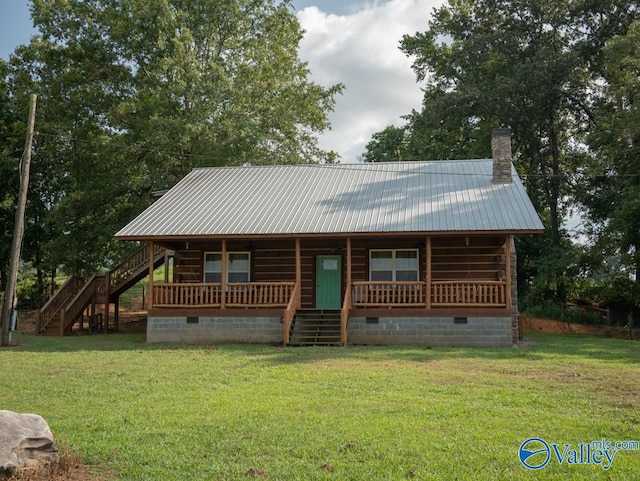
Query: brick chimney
[(501, 153)]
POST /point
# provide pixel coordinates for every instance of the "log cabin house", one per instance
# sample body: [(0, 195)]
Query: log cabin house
[(378, 253)]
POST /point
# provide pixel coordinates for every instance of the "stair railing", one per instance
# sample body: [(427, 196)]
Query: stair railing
[(102, 286), (78, 304), (344, 315), (290, 311), (53, 306), (127, 268)]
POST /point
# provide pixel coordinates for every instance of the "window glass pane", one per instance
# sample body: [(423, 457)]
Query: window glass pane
[(406, 276), (238, 277), (329, 264), (212, 277), (381, 260), (381, 275), (406, 260), (238, 262), (213, 262), (381, 254)]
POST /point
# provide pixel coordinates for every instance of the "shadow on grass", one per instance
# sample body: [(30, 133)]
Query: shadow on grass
[(544, 346)]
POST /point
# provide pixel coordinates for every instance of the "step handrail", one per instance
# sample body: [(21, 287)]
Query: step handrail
[(290, 311), (344, 315), (128, 267), (57, 301), (80, 301)]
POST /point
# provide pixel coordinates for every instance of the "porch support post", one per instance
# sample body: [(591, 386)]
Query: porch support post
[(507, 268), (223, 274), (298, 263), (346, 305), (116, 321), (166, 266), (107, 303), (116, 317), (150, 296), (349, 262), (92, 320), (428, 255)]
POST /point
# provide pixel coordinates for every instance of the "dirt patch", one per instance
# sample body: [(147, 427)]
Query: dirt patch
[(27, 321), (547, 325), (131, 321), (65, 468)]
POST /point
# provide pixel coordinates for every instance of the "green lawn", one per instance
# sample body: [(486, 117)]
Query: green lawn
[(138, 411)]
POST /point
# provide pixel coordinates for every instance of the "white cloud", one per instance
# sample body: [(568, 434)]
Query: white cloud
[(360, 50)]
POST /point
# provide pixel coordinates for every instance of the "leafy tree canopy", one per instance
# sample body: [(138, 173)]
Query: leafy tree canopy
[(610, 187), (135, 93), (533, 66)]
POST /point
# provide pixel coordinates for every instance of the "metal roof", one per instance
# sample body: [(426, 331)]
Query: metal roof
[(420, 197)]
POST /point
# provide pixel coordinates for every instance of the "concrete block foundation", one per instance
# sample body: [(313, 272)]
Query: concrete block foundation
[(424, 331), (432, 331), (215, 329)]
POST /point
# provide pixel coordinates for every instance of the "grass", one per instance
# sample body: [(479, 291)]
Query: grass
[(142, 412)]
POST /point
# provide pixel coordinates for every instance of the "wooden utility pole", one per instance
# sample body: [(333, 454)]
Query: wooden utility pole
[(18, 229)]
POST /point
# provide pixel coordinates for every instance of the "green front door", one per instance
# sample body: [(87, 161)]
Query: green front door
[(328, 282)]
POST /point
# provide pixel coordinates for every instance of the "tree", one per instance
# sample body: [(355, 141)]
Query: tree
[(611, 182), (135, 93), (529, 65), (388, 145), (10, 151), (521, 64)]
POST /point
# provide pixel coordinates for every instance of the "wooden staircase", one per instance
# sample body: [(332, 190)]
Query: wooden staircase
[(315, 327), (68, 304)]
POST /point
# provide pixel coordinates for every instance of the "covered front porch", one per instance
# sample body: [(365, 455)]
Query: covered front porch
[(359, 276)]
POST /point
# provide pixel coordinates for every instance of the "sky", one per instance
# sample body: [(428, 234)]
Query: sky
[(350, 42)]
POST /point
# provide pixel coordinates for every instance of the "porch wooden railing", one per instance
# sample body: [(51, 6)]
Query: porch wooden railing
[(59, 300), (239, 294), (290, 311), (347, 304), (386, 293), (187, 295), (263, 294), (469, 293), (362, 294)]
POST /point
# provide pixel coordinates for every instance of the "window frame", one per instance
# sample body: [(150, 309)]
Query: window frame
[(394, 264), (228, 271)]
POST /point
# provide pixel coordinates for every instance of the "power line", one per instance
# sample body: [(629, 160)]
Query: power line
[(234, 162)]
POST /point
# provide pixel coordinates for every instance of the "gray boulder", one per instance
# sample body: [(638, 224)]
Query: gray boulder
[(25, 439)]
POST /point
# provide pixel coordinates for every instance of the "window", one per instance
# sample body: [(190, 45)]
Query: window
[(212, 267), (393, 265), (238, 266)]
